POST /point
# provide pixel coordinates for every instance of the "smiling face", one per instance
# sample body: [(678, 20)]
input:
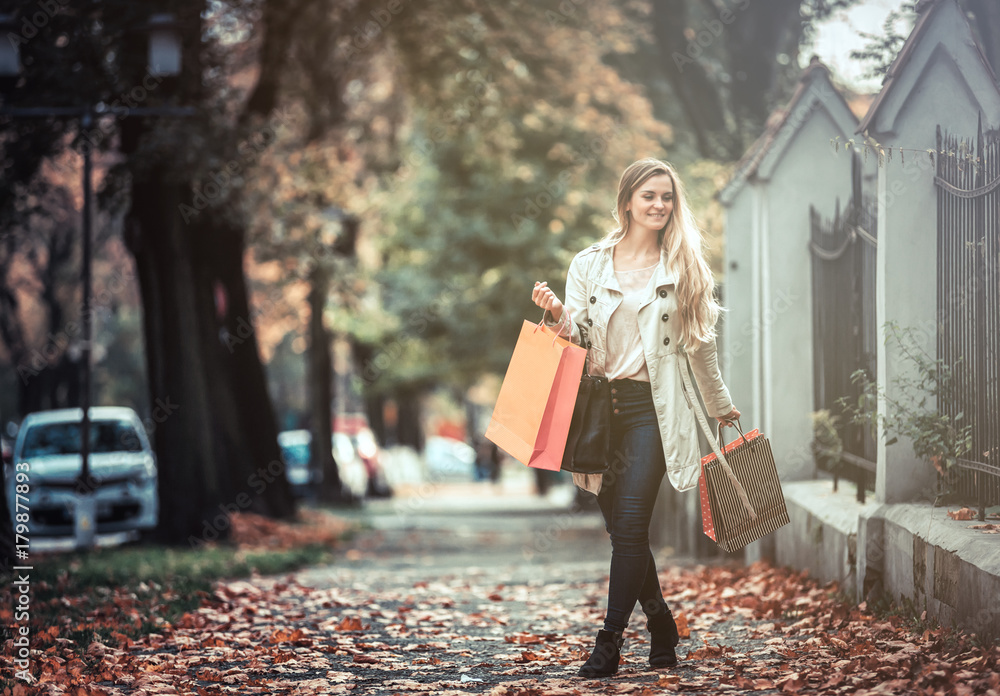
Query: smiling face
[(652, 202)]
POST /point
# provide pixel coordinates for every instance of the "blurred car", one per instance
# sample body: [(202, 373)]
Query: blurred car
[(122, 467), (297, 453), (366, 449), (296, 449), (447, 458), (350, 465)]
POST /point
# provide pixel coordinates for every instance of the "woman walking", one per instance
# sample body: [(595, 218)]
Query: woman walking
[(641, 300)]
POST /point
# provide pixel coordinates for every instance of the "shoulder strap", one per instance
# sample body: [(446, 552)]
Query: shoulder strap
[(583, 342), (712, 439)]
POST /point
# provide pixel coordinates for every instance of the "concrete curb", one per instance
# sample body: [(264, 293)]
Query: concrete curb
[(912, 553)]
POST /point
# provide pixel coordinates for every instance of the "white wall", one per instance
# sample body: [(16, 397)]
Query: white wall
[(737, 349), (811, 172), (939, 85)]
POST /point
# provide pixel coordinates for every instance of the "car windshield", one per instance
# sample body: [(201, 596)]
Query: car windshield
[(64, 438), (296, 455)]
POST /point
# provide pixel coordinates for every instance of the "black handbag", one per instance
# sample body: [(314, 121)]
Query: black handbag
[(588, 446)]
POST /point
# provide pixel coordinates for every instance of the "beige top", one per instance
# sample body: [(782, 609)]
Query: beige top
[(624, 358)]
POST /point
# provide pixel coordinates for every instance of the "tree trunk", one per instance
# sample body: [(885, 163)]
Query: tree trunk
[(193, 480), (760, 32), (216, 436), (362, 355), (12, 336), (693, 88), (8, 558), (410, 431), (320, 388), (249, 424), (375, 412)]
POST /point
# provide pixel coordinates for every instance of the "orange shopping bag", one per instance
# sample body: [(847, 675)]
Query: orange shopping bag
[(535, 406)]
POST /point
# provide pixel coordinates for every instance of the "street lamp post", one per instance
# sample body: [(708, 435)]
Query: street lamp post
[(164, 60), (85, 519)]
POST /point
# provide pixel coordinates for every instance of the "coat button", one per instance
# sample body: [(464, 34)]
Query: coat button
[(617, 411), (665, 317), (588, 345), (666, 341), (663, 293), (590, 322), (593, 299), (613, 391)]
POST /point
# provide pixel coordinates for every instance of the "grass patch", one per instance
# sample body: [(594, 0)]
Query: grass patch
[(114, 594), (79, 572), (117, 594)]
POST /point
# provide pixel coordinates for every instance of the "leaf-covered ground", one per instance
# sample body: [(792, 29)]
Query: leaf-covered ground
[(460, 607)]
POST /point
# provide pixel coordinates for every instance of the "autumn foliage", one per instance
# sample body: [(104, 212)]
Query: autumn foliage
[(745, 629)]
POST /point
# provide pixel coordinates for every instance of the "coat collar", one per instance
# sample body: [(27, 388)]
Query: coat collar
[(602, 272)]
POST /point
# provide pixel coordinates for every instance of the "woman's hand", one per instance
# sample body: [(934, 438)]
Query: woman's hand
[(730, 418), (543, 296)]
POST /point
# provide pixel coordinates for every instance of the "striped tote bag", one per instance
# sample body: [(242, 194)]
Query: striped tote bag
[(741, 498), (724, 517)]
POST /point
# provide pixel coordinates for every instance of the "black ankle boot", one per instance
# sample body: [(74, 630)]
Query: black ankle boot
[(663, 638), (604, 659)]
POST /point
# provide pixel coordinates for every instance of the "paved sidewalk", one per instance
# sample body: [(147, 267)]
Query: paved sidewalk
[(465, 588), (476, 589)]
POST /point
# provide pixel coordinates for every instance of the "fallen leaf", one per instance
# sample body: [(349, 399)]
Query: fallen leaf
[(523, 639), (988, 528), (683, 630), (529, 656), (349, 623)]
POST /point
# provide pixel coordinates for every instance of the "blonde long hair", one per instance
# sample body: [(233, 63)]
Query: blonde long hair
[(682, 241)]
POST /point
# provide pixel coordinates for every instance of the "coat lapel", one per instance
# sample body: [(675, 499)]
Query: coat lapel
[(661, 278), (602, 273)]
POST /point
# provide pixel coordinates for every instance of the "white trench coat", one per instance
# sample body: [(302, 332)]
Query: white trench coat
[(592, 294)]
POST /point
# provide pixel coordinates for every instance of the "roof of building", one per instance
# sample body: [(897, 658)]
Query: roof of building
[(927, 9), (748, 165)]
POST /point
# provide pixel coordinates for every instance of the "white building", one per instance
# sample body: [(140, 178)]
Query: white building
[(766, 346)]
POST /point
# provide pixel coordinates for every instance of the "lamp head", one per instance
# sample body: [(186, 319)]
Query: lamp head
[(164, 45), (10, 53)]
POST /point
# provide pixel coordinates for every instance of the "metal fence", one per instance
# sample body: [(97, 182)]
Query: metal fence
[(843, 289), (968, 303)]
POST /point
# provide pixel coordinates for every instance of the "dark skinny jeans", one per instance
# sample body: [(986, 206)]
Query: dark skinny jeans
[(626, 500)]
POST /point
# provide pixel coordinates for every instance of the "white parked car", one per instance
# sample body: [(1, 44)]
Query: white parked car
[(450, 459), (122, 467)]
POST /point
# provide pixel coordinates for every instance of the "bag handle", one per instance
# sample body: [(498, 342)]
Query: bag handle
[(541, 324), (713, 441), (583, 342), (738, 427)]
